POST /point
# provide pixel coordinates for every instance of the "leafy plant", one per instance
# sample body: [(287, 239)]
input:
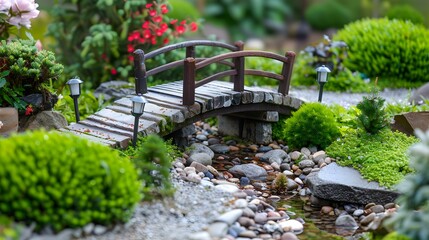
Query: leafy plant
[(313, 124), (26, 70), (265, 64), (372, 118), (411, 218), (316, 15), (280, 183), (405, 107), (405, 12), (388, 49), (379, 157), (153, 163), (96, 40), (64, 181)]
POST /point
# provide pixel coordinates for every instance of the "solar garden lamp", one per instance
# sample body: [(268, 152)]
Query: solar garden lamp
[(137, 110), (322, 78), (74, 85)]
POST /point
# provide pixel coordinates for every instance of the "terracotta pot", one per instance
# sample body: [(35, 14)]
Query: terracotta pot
[(9, 118)]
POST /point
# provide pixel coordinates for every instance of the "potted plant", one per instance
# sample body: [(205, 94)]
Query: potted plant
[(25, 73)]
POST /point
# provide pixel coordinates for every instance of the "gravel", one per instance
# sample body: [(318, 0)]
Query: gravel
[(191, 210)]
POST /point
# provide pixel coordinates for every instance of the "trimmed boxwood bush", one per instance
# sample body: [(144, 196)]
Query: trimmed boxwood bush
[(405, 12), (314, 124), (327, 14), (63, 181), (392, 49)]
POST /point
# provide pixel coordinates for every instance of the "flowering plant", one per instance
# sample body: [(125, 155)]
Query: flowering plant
[(16, 13)]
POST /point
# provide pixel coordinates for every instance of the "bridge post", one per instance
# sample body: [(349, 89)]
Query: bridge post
[(239, 66), (287, 73), (140, 72), (190, 52), (189, 82)]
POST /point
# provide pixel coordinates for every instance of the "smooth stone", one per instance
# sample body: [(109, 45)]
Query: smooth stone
[(231, 142), (240, 194), (202, 158), (209, 175), (291, 225), (240, 203), (230, 217), (213, 171), (189, 170), (98, 230), (201, 137), (250, 170), (261, 217), (271, 227), (358, 212), (247, 234), (291, 185), (369, 205), (377, 209), (275, 166), (47, 120), (306, 151), (307, 170), (284, 167), (178, 164), (345, 184), (246, 221), (193, 177), (200, 148), (219, 148), (389, 206), (213, 141), (247, 212), (206, 183), (199, 167), (289, 236), (368, 219), (276, 153), (272, 214), (319, 155), (299, 181), (306, 164), (218, 229), (88, 228), (264, 149), (199, 236), (244, 181), (227, 188), (234, 148), (288, 173), (326, 209), (346, 221), (295, 155)]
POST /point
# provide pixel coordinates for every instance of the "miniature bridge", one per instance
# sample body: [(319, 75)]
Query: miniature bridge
[(175, 105)]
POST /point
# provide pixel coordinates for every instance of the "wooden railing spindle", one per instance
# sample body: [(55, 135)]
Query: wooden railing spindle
[(239, 66), (287, 73), (189, 81)]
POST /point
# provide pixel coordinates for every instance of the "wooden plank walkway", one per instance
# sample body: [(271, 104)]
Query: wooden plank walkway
[(113, 126)]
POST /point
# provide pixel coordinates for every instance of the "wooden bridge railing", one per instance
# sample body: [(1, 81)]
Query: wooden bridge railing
[(192, 64)]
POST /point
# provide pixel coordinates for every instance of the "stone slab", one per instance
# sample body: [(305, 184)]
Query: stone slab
[(345, 184)]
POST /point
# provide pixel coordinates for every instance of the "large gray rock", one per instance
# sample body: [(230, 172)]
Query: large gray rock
[(200, 148), (202, 158), (346, 184), (276, 155), (219, 148), (420, 94), (250, 170), (47, 120)]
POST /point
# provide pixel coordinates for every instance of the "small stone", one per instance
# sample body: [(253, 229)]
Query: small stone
[(377, 209), (194, 177), (178, 164), (247, 212), (368, 219), (274, 146), (319, 155), (264, 149), (271, 227), (199, 236), (240, 194), (234, 180), (295, 155), (272, 214), (390, 205), (292, 225), (247, 234), (201, 137), (289, 236), (208, 174), (87, 229), (234, 148), (306, 164), (230, 217), (328, 160), (200, 148), (213, 171), (284, 167), (244, 181), (299, 181), (219, 148), (275, 166), (253, 148), (369, 205), (358, 212), (326, 209), (346, 221), (213, 141), (298, 172), (240, 203), (206, 183), (246, 222), (261, 217), (98, 230), (294, 167), (199, 167), (274, 198), (306, 151), (291, 185), (227, 188), (218, 229), (202, 158), (288, 173), (307, 170), (268, 168)]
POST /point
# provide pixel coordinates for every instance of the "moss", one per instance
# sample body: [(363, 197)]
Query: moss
[(379, 157)]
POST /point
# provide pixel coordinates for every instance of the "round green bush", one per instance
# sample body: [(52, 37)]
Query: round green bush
[(405, 12), (327, 14), (313, 124), (63, 181), (390, 49)]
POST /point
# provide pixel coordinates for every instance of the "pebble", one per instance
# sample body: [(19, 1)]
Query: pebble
[(227, 188), (358, 212), (201, 137), (199, 167), (264, 149), (306, 151), (366, 220), (230, 217), (213, 171), (218, 229), (261, 217), (306, 164), (213, 141), (246, 221), (247, 234), (240, 203), (234, 148), (326, 209), (288, 173), (292, 225), (390, 205), (220, 148), (369, 205), (289, 236), (377, 209), (244, 181), (209, 175)]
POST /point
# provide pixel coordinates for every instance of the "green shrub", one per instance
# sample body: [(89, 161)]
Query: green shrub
[(312, 125), (395, 236), (265, 64), (393, 109), (153, 162), (64, 181), (412, 217), (372, 118), (405, 12), (388, 49), (327, 14), (379, 157)]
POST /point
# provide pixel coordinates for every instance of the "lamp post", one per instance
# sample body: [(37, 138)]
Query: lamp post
[(322, 78), (137, 110), (74, 85)]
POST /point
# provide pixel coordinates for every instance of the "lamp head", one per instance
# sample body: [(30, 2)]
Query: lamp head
[(74, 85), (322, 74), (139, 103)]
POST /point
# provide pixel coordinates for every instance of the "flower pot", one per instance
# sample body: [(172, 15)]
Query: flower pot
[(9, 119)]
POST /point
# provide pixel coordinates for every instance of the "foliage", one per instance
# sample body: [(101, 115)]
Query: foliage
[(280, 183), (16, 14), (246, 19), (87, 104), (346, 118), (95, 40), (412, 217), (312, 125), (8, 229), (153, 163), (379, 157), (372, 118), (261, 63), (331, 54), (317, 15), (405, 12), (383, 48), (64, 181), (405, 107), (395, 236), (277, 127), (185, 9), (26, 70)]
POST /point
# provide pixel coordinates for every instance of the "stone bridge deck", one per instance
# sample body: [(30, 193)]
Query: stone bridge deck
[(165, 113)]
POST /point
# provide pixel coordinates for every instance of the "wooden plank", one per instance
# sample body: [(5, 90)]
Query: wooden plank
[(206, 103), (107, 127), (123, 141), (235, 96), (168, 101), (175, 115), (246, 96), (266, 116), (90, 138), (144, 124)]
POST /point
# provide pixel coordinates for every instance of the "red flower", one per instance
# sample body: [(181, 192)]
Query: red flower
[(166, 40), (28, 110), (147, 33), (130, 48), (152, 13), (164, 9), (131, 58), (180, 29), (183, 22), (164, 26), (174, 21), (113, 71), (159, 32), (145, 25), (157, 19), (104, 56), (153, 40), (194, 27), (149, 5)]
